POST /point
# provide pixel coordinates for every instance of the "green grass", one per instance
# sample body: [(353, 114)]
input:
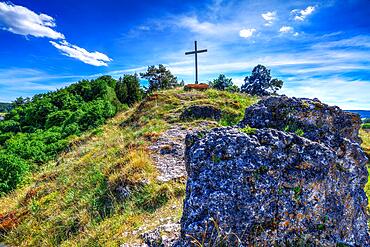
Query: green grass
[(248, 130), (73, 201), (365, 136)]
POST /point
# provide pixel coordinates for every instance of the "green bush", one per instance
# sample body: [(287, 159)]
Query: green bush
[(366, 126), (57, 118), (9, 126), (12, 171)]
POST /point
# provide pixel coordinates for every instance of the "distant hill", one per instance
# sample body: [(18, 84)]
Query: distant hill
[(4, 107), (362, 113)]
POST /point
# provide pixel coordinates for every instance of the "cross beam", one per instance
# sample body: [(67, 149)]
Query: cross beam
[(196, 59)]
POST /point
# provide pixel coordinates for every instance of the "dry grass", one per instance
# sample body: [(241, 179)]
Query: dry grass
[(75, 201), (365, 136)]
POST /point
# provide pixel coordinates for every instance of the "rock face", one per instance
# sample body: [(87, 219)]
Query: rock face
[(316, 121), (269, 187), (201, 112)]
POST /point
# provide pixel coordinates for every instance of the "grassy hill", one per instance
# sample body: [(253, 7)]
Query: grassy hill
[(75, 199)]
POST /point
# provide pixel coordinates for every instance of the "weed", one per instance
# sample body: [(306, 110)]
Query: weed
[(248, 130), (299, 132), (215, 159)]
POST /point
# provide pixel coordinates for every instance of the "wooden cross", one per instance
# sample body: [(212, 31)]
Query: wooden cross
[(196, 59)]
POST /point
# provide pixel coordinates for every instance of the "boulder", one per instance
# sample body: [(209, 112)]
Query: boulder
[(269, 187), (311, 118), (201, 112)]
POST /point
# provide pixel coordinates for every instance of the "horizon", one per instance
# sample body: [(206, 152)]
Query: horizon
[(320, 49)]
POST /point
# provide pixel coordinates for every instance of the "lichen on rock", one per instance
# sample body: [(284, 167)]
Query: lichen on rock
[(272, 187)]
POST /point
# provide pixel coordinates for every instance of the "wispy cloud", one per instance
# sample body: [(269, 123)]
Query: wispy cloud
[(269, 17), (93, 58), (301, 14), (356, 41), (286, 29), (20, 20)]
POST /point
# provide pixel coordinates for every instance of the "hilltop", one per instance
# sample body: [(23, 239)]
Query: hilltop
[(80, 198), (111, 185)]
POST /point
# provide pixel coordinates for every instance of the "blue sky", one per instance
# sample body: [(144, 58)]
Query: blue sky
[(319, 48)]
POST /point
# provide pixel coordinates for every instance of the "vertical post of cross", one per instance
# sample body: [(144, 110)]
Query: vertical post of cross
[(195, 52), (196, 62)]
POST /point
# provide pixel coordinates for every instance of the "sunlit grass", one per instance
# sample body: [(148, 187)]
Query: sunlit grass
[(73, 201)]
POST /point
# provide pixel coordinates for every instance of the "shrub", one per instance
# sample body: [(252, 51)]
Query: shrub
[(57, 118), (221, 83), (12, 171), (366, 126), (9, 126)]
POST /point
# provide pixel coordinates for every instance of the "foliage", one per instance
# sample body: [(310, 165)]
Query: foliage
[(5, 107), (36, 130), (159, 78), (221, 83), (260, 82), (233, 89), (128, 89), (366, 126), (12, 170), (248, 130)]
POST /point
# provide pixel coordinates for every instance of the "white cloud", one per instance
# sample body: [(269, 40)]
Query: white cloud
[(247, 33), (286, 29), (300, 15), (20, 20), (92, 58), (204, 27), (196, 26), (269, 17)]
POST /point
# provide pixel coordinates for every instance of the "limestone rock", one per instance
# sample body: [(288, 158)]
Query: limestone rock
[(271, 187), (315, 120), (201, 112), (163, 236)]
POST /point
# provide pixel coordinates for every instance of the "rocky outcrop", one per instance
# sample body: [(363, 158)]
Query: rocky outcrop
[(201, 112), (309, 118), (167, 153), (269, 187)]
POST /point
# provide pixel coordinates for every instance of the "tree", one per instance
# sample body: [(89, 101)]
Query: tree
[(159, 78), (260, 82), (128, 89), (221, 83)]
